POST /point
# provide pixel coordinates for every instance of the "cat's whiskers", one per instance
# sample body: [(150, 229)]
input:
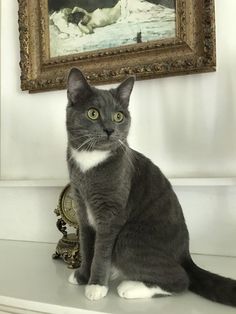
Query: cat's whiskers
[(127, 152), (79, 137), (84, 143), (91, 144)]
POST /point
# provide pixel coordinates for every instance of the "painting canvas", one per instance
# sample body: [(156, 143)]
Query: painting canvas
[(77, 26)]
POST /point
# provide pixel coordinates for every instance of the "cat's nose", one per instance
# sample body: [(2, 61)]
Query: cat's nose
[(108, 131)]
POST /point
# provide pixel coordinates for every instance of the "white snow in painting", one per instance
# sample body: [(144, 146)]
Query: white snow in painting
[(155, 22)]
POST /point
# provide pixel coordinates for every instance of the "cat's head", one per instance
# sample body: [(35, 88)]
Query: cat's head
[(96, 118)]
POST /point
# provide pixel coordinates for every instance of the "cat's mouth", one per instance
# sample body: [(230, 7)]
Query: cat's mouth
[(107, 142)]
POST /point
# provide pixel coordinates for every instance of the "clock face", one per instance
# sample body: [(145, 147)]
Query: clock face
[(67, 207)]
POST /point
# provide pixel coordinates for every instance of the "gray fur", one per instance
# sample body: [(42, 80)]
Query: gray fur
[(140, 228)]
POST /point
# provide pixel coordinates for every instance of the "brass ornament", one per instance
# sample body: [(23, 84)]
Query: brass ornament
[(68, 247)]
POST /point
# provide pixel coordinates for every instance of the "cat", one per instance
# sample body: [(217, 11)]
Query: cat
[(130, 219)]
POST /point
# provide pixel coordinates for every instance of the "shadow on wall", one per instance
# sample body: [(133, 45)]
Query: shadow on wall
[(91, 5)]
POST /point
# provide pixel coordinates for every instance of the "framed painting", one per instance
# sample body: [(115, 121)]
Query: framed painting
[(110, 39)]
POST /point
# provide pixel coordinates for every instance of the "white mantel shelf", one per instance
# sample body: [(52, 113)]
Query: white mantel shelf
[(33, 183), (31, 282), (222, 181)]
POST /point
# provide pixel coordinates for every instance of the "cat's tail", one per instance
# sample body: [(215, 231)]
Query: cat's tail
[(209, 285)]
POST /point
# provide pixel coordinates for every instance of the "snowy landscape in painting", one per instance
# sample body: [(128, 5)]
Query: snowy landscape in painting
[(76, 30)]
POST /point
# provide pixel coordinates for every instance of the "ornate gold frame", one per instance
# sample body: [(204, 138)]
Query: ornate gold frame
[(191, 51)]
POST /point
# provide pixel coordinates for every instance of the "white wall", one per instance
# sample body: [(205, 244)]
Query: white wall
[(186, 124)]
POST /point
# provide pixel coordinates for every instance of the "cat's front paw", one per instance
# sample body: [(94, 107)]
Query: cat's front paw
[(95, 292), (78, 278), (72, 279)]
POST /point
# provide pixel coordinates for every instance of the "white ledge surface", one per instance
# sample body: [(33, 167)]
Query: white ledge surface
[(31, 282), (34, 183), (227, 181)]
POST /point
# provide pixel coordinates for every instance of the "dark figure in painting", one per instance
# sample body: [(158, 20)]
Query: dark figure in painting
[(139, 37), (75, 17)]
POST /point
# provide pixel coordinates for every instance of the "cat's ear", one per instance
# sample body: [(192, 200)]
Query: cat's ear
[(124, 90), (78, 89)]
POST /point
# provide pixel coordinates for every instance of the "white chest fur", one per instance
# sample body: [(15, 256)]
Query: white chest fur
[(87, 160)]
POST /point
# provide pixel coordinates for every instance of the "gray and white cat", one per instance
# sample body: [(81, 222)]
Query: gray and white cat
[(129, 216)]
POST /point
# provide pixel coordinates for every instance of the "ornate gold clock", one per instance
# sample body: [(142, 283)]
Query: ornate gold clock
[(68, 246)]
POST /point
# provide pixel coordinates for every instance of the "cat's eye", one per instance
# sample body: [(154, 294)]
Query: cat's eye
[(118, 117), (93, 114)]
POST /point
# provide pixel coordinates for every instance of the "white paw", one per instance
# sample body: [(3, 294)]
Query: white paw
[(138, 290), (72, 279), (95, 292), (130, 289)]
